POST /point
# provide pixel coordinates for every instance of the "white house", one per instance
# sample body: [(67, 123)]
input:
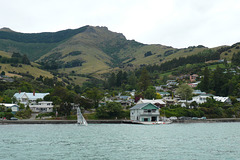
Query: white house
[(203, 98), (43, 106), (27, 98), (30, 99), (200, 99), (144, 112), (157, 102), (222, 99)]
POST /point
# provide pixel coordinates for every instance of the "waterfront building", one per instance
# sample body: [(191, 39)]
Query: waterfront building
[(144, 112), (43, 106)]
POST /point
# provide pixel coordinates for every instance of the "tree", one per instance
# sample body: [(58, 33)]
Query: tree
[(16, 55), (110, 110), (24, 113), (2, 73), (112, 80), (218, 80), (132, 80), (119, 79), (185, 91), (204, 85), (77, 89), (236, 59), (95, 94), (65, 109), (25, 60), (83, 102), (150, 93), (2, 108), (194, 104), (144, 80)]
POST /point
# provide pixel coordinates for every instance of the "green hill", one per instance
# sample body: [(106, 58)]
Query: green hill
[(93, 50)]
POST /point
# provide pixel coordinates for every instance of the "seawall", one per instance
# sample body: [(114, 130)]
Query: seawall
[(63, 121), (112, 121)]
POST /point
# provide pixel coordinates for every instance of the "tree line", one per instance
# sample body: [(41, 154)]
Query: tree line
[(16, 58)]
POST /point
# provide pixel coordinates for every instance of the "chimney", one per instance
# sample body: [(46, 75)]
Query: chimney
[(19, 91), (34, 93)]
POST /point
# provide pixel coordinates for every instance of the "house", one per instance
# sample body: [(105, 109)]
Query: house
[(198, 92), (170, 100), (158, 88), (164, 94), (13, 107), (124, 103), (28, 98), (171, 83), (5, 78), (203, 98), (238, 99), (193, 85), (158, 102), (193, 77), (222, 99), (144, 112), (43, 106), (124, 98)]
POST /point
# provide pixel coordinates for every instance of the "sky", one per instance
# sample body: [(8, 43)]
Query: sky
[(176, 23)]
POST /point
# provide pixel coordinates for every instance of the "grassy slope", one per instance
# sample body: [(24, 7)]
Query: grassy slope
[(33, 50), (228, 54), (36, 72), (88, 43), (5, 54), (158, 54)]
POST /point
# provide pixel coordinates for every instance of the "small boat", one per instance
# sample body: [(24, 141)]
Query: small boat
[(80, 119)]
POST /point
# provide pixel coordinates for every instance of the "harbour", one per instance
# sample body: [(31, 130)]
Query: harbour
[(120, 141)]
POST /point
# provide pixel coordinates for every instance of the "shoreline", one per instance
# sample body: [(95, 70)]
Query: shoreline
[(215, 120)]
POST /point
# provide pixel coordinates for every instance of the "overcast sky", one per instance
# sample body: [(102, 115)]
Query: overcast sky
[(177, 23)]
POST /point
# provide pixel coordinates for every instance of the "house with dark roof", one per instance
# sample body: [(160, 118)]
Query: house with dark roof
[(144, 112)]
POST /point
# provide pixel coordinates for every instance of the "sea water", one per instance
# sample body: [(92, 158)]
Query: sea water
[(195, 141)]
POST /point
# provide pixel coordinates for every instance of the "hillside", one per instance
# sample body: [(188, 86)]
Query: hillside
[(17, 70), (93, 50), (34, 45)]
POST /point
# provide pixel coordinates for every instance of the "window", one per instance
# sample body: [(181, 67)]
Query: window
[(154, 110), (145, 119)]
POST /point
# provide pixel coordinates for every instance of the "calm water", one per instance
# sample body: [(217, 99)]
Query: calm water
[(215, 141)]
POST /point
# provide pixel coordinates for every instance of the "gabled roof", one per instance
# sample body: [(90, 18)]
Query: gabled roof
[(220, 99), (142, 105), (153, 101), (30, 95)]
